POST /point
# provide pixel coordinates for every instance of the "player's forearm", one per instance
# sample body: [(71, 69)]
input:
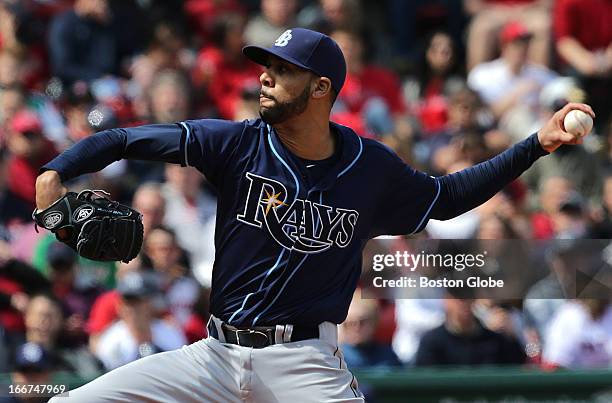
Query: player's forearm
[(469, 188)]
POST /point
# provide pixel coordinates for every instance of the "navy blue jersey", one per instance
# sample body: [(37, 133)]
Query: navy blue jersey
[(288, 250)]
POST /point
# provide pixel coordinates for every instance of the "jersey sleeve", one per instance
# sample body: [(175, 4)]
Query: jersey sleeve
[(209, 145), (204, 144), (406, 201), (150, 142)]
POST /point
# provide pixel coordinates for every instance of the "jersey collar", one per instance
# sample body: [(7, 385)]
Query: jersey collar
[(351, 149)]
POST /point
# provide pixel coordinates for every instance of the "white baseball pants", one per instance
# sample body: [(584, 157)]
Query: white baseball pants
[(211, 371)]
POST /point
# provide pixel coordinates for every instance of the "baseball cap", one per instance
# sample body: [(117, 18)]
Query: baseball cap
[(307, 49), (26, 121), (32, 357), (137, 285), (513, 31)]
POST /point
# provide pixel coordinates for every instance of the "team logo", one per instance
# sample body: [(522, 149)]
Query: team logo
[(83, 213), (284, 39), (304, 225), (52, 220)]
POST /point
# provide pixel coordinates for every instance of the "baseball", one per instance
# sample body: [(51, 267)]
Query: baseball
[(578, 123)]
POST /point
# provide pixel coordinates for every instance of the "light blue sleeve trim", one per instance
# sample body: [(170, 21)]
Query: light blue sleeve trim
[(438, 186), (187, 135)]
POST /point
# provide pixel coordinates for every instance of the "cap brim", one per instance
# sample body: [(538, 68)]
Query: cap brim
[(261, 55)]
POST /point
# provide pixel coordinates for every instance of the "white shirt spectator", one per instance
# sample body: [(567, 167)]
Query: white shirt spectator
[(180, 297), (574, 340), (494, 80), (460, 227), (194, 228), (414, 317), (118, 347)]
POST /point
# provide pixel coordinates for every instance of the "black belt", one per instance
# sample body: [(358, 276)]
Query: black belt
[(260, 336)]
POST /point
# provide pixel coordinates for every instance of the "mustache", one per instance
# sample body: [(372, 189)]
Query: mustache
[(263, 94)]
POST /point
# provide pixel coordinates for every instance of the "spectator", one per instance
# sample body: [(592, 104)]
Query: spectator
[(137, 334), (247, 106), (30, 151), (32, 365), (90, 273), (105, 309), (462, 122), (502, 317), (511, 80), (462, 340), (166, 258), (545, 297), (12, 100), (204, 14), (552, 192), (169, 97), (149, 201), (276, 16), (195, 327), (571, 221), (223, 69), (190, 212), (21, 35), (168, 101), (18, 281), (489, 16), (82, 42), (76, 297), (77, 108), (553, 96), (10, 71), (436, 79), (415, 316), (602, 228), (44, 322), (370, 93), (583, 39), (12, 210), (579, 335), (356, 337), (327, 15), (166, 51)]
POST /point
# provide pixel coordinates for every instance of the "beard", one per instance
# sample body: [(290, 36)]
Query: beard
[(281, 111)]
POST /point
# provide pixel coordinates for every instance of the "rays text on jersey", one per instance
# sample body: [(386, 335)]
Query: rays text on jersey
[(302, 225)]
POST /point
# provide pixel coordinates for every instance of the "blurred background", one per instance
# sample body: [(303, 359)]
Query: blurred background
[(445, 83)]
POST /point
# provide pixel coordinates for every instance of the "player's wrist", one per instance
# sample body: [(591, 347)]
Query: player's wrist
[(49, 188)]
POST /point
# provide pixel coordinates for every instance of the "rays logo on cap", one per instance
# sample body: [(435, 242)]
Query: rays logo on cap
[(284, 39)]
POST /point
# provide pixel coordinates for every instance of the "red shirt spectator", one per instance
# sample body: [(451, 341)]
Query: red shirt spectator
[(371, 82), (104, 311), (222, 68), (228, 79), (587, 21), (202, 14), (30, 150)]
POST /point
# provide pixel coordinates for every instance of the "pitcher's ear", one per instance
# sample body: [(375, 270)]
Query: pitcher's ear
[(322, 87)]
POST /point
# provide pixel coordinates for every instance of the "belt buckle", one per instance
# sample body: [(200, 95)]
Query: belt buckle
[(261, 339)]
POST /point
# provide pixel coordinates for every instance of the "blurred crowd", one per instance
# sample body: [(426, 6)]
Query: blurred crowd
[(446, 84)]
